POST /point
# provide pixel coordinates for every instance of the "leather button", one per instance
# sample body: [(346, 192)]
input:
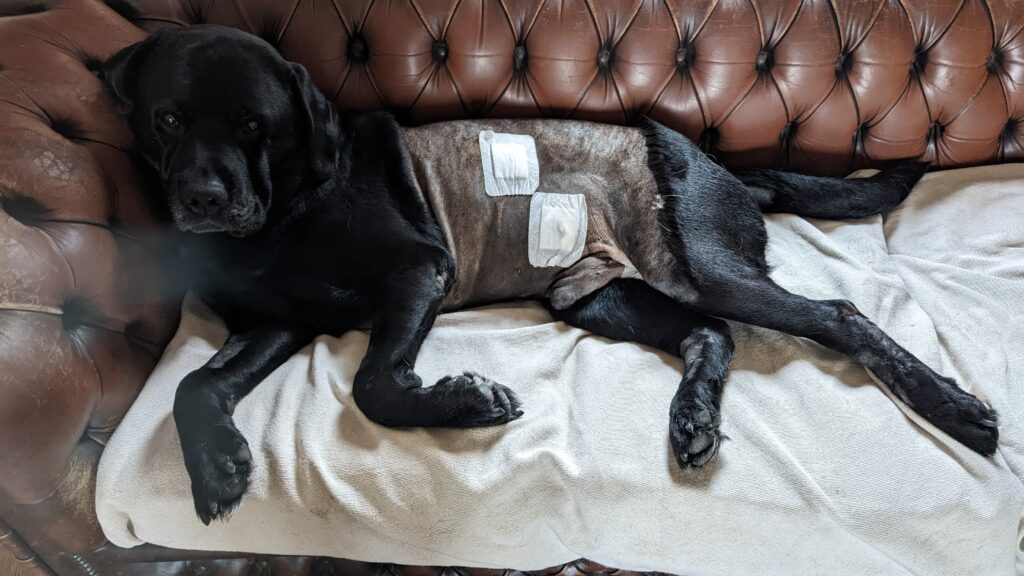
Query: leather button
[(197, 16), (765, 61), (685, 56), (440, 51), (358, 51), (91, 64), (23, 8), (76, 313), (64, 127), (788, 133), (23, 209), (1011, 128), (709, 139), (519, 57), (920, 61), (994, 62), (605, 57), (124, 8), (843, 63)]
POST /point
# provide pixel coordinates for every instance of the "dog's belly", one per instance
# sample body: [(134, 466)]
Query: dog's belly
[(489, 235)]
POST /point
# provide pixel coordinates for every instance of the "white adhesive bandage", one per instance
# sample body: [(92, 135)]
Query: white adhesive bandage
[(510, 164), (558, 229)]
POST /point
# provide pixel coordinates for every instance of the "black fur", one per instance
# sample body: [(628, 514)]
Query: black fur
[(297, 220), (817, 197)]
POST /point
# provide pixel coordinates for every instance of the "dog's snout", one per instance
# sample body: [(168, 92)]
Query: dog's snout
[(205, 199)]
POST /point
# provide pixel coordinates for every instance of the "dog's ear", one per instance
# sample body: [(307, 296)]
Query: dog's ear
[(119, 72), (322, 127)]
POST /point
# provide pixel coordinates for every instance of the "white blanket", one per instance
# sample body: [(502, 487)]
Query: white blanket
[(825, 472)]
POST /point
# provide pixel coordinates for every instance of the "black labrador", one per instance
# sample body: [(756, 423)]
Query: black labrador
[(299, 220)]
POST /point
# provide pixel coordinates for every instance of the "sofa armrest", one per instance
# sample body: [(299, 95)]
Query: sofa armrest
[(84, 314)]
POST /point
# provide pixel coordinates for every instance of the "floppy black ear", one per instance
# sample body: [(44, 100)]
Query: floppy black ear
[(119, 72), (323, 129)]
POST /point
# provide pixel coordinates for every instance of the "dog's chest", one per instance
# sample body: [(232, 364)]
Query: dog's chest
[(282, 280)]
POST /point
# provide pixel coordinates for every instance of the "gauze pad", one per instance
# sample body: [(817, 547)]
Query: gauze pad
[(510, 164), (558, 229)]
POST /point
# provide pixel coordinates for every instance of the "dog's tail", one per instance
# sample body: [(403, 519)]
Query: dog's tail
[(835, 198)]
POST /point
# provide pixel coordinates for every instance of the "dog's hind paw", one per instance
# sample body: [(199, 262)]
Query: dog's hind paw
[(693, 431), (474, 400), (966, 418)]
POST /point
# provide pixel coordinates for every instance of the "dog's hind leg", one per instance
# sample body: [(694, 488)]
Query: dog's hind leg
[(632, 310), (388, 391), (729, 287)]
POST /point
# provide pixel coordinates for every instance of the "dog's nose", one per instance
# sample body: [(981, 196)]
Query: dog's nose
[(205, 199)]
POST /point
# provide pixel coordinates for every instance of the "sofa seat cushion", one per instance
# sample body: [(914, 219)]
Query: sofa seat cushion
[(824, 473)]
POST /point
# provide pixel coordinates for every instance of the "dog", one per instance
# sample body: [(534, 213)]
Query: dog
[(297, 219)]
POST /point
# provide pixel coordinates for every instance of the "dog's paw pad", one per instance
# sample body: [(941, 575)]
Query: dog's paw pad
[(694, 433), (219, 463)]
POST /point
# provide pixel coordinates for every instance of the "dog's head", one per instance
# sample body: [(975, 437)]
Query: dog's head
[(225, 120)]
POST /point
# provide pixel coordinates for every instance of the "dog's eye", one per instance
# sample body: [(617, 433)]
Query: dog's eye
[(251, 126), (170, 120)]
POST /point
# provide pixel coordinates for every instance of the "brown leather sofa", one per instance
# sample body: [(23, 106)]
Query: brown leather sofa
[(815, 86)]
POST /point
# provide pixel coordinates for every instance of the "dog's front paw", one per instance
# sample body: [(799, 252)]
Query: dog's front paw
[(473, 400), (218, 461), (693, 430)]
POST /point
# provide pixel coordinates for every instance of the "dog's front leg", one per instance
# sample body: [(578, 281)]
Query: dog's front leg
[(388, 391), (216, 455)]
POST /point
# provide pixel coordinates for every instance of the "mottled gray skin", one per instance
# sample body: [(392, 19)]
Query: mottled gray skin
[(488, 235)]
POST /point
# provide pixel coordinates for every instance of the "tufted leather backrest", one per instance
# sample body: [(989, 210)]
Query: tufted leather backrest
[(808, 85)]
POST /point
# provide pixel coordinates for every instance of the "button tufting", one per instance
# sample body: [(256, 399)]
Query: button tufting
[(124, 8), (858, 137), (994, 62), (93, 65), (358, 51), (605, 57), (77, 312), (270, 38), (934, 131), (440, 51), (685, 55), (23, 8), (519, 57), (709, 139), (788, 132), (1011, 128), (920, 61), (764, 60), (843, 63), (65, 127), (24, 209)]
